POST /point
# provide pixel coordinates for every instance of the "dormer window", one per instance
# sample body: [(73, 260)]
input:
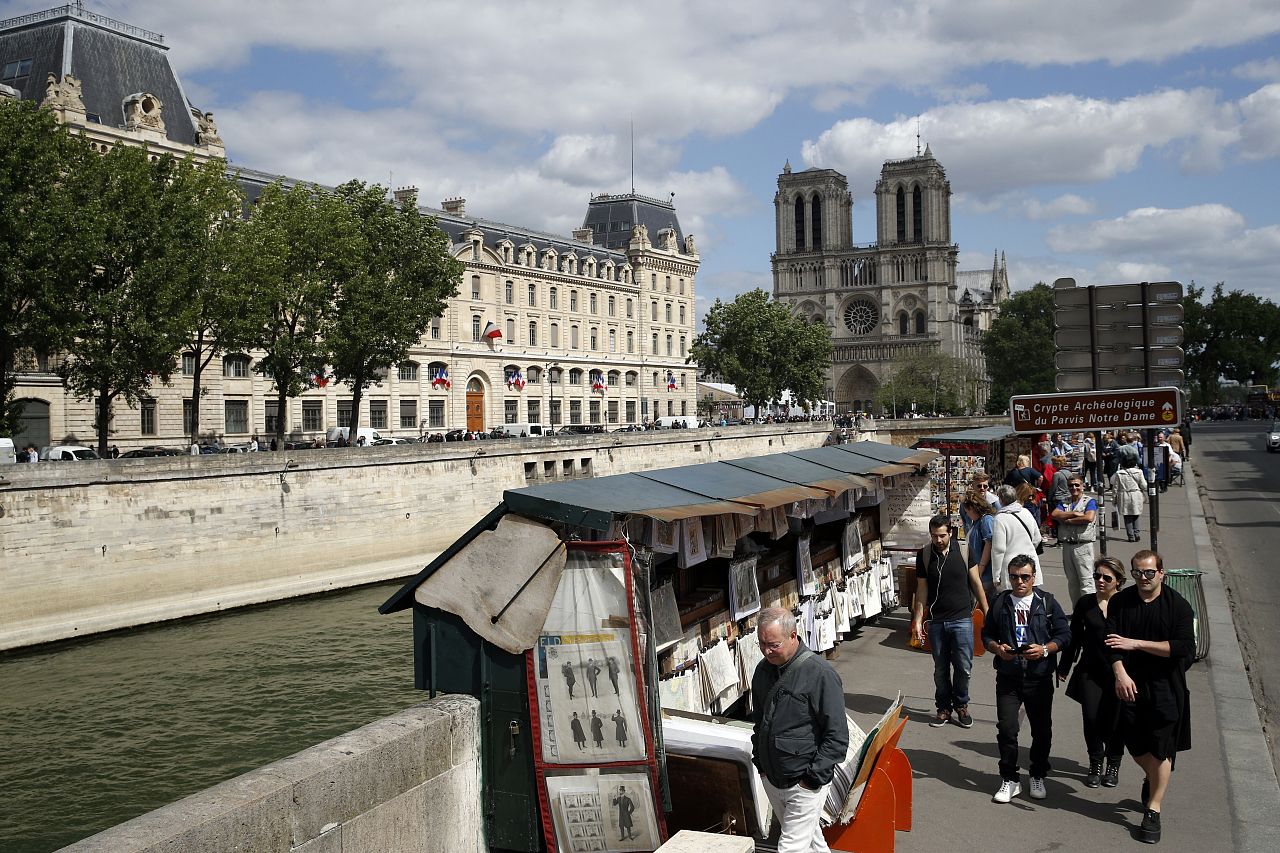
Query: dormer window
[(16, 70)]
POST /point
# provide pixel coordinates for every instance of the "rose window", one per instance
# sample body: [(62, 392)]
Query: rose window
[(861, 316)]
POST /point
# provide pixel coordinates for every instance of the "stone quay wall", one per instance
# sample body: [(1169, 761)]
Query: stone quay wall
[(408, 782), (87, 547)]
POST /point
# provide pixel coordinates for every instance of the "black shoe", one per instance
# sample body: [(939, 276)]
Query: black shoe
[(1149, 831), (940, 719), (1094, 779), (1112, 777), (962, 717)]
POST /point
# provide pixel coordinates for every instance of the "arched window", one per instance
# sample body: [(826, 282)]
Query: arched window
[(593, 302), (438, 373), (595, 336), (630, 309), (573, 300), (655, 379), (917, 216), (670, 348), (533, 333), (533, 375), (816, 214), (653, 344), (475, 386), (475, 287), (554, 376), (613, 340), (235, 366), (615, 379), (904, 323), (613, 306), (682, 287), (408, 371), (533, 294), (653, 311), (920, 322), (799, 206), (682, 315), (902, 215), (631, 379), (553, 298), (668, 312), (682, 352), (575, 376)]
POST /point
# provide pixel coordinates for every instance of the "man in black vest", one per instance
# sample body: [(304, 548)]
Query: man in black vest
[(947, 586), (801, 731)]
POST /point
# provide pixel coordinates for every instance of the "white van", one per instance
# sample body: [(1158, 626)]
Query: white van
[(7, 452), (67, 453), (677, 421), (524, 429), (369, 435)]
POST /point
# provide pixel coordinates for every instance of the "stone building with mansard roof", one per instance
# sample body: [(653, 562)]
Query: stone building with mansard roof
[(594, 327), (881, 301)]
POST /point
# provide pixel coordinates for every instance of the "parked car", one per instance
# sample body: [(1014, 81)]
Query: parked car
[(149, 452), (67, 453), (455, 435), (385, 442), (1273, 437), (630, 428)]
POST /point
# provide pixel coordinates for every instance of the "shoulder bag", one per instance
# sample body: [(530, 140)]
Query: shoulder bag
[(1039, 545)]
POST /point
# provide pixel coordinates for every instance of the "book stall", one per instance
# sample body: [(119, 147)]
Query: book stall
[(991, 449), (630, 602)]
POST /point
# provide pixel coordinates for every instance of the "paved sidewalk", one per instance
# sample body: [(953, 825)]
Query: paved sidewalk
[(1223, 797)]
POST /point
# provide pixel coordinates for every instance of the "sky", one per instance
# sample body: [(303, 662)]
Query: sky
[(1106, 140)]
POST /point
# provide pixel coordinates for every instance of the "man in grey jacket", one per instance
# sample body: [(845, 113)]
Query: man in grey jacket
[(801, 731)]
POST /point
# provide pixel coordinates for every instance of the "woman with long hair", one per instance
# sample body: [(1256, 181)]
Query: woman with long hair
[(1092, 684), (979, 530)]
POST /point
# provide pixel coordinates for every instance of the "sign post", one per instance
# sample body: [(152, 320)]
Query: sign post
[(1086, 411)]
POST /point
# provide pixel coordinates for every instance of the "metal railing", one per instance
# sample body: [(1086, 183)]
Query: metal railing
[(77, 10)]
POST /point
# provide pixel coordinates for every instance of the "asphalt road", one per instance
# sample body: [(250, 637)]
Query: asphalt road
[(1240, 489)]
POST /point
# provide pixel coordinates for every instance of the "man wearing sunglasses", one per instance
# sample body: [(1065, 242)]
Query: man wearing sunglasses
[(1025, 630), (1151, 642), (1077, 530)]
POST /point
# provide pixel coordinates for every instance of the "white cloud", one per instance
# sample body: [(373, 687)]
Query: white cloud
[(1260, 129), (1267, 70), (1068, 204)]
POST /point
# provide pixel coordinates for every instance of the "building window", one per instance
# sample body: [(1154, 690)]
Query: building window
[(533, 375), (533, 294), (17, 69), (670, 348), (575, 376), (631, 411), (188, 417), (630, 309), (670, 408), (188, 364), (435, 329), (575, 411), (533, 333), (312, 416), (668, 312), (344, 412), (919, 322), (235, 366), (904, 323), (682, 352), (511, 331), (475, 327), (535, 411), (653, 311), (816, 216), (573, 300), (573, 337), (653, 348), (435, 413), (653, 281), (593, 411), (408, 414), (148, 425), (613, 304), (684, 408), (408, 371), (555, 412), (631, 342), (682, 315), (655, 379), (475, 287), (235, 416), (510, 411), (901, 198), (917, 217), (378, 414), (553, 298), (555, 334), (799, 223), (554, 376), (509, 292), (668, 283), (630, 379), (270, 414), (682, 379), (592, 302), (682, 287), (594, 335), (613, 340)]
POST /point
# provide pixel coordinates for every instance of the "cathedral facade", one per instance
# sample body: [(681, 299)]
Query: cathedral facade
[(590, 329), (882, 301)]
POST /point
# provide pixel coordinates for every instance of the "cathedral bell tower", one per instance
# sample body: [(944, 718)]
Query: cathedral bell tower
[(913, 202)]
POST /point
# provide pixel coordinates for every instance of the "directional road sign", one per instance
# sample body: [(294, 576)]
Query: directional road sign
[(1118, 379), (1113, 359), (1126, 315), (1126, 336), (1158, 293), (1137, 408)]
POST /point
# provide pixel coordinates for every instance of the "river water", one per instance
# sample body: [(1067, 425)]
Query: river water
[(104, 729)]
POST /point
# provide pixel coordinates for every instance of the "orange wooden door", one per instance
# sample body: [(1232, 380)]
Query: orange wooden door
[(475, 411)]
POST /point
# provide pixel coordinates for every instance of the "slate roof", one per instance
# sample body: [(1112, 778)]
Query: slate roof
[(113, 60), (612, 217)]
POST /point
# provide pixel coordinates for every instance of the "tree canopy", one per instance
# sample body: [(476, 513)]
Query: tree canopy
[(931, 381), (758, 346), (1019, 347), (1234, 336)]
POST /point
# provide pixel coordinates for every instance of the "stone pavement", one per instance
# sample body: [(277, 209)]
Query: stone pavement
[(1223, 797)]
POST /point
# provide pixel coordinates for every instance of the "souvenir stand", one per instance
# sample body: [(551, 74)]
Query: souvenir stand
[(992, 449), (657, 582)]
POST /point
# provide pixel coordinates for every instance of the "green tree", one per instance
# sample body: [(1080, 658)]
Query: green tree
[(130, 314), (932, 380), (219, 302), (759, 347), (45, 242), (397, 281), (1019, 347), (294, 250), (1199, 347), (1235, 336)]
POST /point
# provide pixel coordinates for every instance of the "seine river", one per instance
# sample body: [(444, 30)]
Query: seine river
[(99, 731)]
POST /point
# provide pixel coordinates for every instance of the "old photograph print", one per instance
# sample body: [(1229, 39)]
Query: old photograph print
[(586, 690)]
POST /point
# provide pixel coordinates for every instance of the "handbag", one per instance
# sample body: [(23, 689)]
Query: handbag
[(1039, 545)]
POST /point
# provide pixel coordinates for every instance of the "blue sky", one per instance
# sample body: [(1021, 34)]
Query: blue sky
[(1106, 140)]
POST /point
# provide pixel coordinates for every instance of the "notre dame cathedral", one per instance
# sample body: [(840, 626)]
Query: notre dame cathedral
[(884, 300)]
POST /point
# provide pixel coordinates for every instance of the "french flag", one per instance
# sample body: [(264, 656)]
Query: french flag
[(491, 331), (671, 381)]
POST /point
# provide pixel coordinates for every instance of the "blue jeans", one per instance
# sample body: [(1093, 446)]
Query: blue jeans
[(952, 644)]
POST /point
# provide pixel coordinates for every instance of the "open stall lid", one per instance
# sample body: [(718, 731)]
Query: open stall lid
[(973, 442), (793, 469), (890, 453)]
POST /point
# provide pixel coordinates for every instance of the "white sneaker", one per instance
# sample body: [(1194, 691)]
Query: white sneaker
[(1008, 790), (1038, 791)]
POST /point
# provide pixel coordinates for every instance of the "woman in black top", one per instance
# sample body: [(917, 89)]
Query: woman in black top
[(1093, 684)]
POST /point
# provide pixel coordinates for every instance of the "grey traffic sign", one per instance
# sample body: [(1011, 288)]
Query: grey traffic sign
[(1119, 381), (1112, 360), (1127, 315), (1126, 336), (1112, 295)]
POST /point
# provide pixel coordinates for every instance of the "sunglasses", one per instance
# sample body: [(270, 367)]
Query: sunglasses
[(1101, 577), (1014, 577), (1144, 574), (1075, 485)]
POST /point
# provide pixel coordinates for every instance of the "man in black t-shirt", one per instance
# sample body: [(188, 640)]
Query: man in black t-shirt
[(947, 586)]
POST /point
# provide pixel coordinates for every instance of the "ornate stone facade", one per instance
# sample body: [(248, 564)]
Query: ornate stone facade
[(882, 300)]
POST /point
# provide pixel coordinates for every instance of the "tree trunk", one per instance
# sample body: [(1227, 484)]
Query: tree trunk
[(357, 394), (197, 353), (281, 400), (103, 418)]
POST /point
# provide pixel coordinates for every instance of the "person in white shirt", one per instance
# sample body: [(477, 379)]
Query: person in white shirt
[(1015, 532)]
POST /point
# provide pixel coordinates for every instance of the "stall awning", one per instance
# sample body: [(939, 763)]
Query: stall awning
[(974, 441), (891, 453), (788, 466)]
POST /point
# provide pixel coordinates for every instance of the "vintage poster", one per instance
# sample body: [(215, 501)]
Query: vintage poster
[(662, 536), (666, 617), (719, 670), (682, 692), (749, 656), (629, 821), (806, 579), (744, 590), (587, 696), (852, 553), (580, 819), (693, 549)]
